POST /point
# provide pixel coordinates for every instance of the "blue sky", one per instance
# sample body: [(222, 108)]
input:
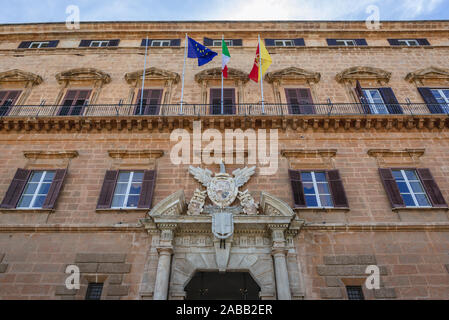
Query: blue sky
[(22, 11)]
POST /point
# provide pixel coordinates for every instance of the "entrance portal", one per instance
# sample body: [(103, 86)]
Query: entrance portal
[(222, 286)]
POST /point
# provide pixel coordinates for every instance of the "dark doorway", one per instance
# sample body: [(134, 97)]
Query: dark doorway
[(222, 286)]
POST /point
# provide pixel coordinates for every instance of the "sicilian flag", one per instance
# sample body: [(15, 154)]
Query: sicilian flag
[(226, 57), (266, 62)]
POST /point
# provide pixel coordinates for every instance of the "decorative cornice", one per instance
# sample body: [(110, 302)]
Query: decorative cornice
[(136, 154), (90, 228), (50, 154), (381, 227), (294, 122), (413, 153), (293, 73), (17, 75), (83, 74), (215, 74), (308, 153), (431, 73), (361, 73), (152, 74)]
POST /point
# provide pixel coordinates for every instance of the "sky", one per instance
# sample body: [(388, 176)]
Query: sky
[(26, 11)]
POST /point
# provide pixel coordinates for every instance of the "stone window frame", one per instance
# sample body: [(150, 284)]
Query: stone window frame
[(135, 79), (421, 76), (278, 78), (237, 76), (349, 77), (90, 78), (20, 80)]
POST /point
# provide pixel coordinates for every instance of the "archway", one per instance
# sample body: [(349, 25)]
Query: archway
[(222, 286)]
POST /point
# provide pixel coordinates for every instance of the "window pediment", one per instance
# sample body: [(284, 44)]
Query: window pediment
[(293, 73), (363, 73), (83, 74), (215, 73), (431, 73), (152, 74), (16, 75)]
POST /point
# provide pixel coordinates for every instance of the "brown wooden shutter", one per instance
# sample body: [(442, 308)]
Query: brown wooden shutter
[(237, 42), (85, 43), (306, 101), (146, 194), (299, 42), (430, 100), (331, 42), (15, 189), (391, 188), (359, 91), (269, 42), (215, 101), (394, 42), (361, 42), (208, 42), (55, 189), (297, 188), (113, 43), (25, 44), (143, 43), (423, 42), (432, 189), (175, 42), (53, 44), (107, 190), (292, 100), (337, 189)]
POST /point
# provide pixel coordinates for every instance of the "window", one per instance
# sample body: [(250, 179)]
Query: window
[(94, 291), (355, 293), (410, 188), (160, 43), (8, 99), (409, 43), (217, 43), (442, 97), (316, 190), (228, 101), (376, 101), (300, 101), (151, 102), (37, 45), (74, 102), (343, 42), (99, 43), (284, 43), (127, 191), (36, 190)]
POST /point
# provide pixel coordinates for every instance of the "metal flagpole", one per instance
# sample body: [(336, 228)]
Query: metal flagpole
[(183, 73), (261, 76), (143, 75), (222, 104)]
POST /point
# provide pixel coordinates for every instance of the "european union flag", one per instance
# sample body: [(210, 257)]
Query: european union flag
[(198, 51)]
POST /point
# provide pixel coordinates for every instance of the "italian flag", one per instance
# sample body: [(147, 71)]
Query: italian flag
[(225, 59)]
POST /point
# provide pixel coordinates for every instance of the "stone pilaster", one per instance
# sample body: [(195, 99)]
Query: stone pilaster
[(279, 251)]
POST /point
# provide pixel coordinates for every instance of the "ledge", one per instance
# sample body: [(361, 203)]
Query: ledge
[(121, 210), (296, 153), (322, 209), (421, 209), (393, 226), (145, 154), (396, 153), (25, 211), (50, 154)]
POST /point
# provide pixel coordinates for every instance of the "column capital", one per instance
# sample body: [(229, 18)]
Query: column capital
[(165, 251)]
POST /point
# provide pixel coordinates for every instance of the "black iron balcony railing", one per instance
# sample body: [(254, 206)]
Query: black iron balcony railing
[(246, 109)]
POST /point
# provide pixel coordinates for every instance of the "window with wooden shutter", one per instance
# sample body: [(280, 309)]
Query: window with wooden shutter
[(8, 99), (297, 189), (94, 291), (74, 102), (300, 101), (208, 42), (146, 194), (107, 190), (429, 98), (432, 189), (55, 189), (151, 103), (390, 100), (15, 189), (269, 42), (25, 44), (228, 101), (362, 98), (391, 188), (337, 189), (85, 43)]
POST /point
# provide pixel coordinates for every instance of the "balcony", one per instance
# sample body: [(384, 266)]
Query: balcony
[(209, 110), (332, 117)]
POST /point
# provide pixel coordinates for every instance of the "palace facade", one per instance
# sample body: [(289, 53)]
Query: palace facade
[(87, 177)]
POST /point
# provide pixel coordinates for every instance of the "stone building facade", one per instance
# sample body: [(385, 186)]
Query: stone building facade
[(361, 180)]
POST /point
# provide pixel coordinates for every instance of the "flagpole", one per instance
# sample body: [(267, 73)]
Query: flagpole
[(143, 75), (183, 74), (261, 76), (222, 104)]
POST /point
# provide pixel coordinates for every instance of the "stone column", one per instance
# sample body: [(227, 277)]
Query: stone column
[(280, 262), (165, 250)]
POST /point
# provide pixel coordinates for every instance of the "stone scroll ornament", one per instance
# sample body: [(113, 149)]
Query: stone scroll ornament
[(222, 190)]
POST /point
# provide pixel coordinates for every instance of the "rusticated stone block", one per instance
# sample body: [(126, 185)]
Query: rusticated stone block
[(114, 290), (333, 282), (385, 293), (100, 257), (63, 291), (116, 279), (350, 259), (331, 293), (88, 267), (3, 267), (114, 268)]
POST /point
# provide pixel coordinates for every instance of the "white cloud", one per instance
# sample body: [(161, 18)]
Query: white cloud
[(413, 8)]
